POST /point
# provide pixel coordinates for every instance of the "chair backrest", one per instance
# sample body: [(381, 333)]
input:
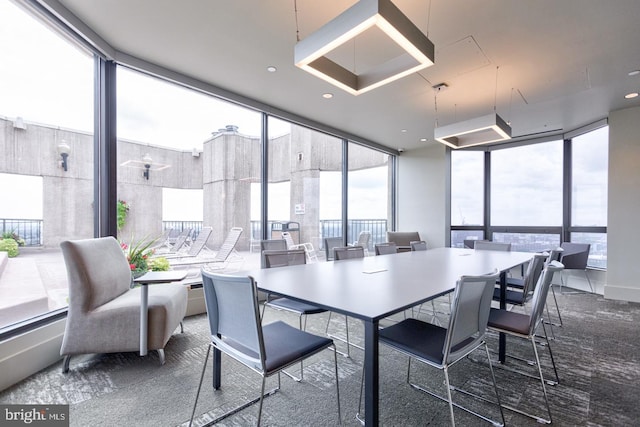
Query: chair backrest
[(484, 245), (403, 238), (200, 242), (163, 239), (181, 240), (97, 270), (470, 243), (287, 238), (420, 245), (469, 315), (363, 239), (271, 245), (540, 294), (228, 245), (284, 258), (386, 248), (330, 243), (575, 255), (234, 317), (534, 269), (348, 252), (555, 255)]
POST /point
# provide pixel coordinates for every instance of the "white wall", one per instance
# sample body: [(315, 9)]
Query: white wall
[(623, 231), (421, 194)]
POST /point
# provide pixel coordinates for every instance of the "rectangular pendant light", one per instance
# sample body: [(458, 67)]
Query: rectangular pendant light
[(419, 51), (478, 131)]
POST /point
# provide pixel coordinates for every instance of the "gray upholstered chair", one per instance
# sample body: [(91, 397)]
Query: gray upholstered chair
[(441, 347), (104, 312), (330, 243), (236, 330), (341, 254), (403, 239), (525, 326), (419, 245), (271, 245), (575, 256), (387, 248), (285, 258), (484, 245)]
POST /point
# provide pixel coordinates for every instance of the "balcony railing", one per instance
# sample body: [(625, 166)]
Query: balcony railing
[(330, 228), (28, 229)]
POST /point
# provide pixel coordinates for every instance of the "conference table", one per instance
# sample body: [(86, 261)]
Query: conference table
[(376, 287)]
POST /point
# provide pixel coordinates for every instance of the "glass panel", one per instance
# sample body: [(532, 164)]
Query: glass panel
[(467, 188), (303, 166), (458, 237), (598, 250), (528, 242), (46, 110), (203, 157), (369, 194), (526, 185), (590, 154)]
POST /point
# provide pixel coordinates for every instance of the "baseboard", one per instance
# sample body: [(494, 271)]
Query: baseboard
[(622, 293), (195, 303), (26, 354)]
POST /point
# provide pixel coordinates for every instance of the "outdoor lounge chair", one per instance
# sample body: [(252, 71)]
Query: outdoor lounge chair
[(308, 247), (219, 260), (199, 245)]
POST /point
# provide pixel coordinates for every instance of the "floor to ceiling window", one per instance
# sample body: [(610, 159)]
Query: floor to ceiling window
[(540, 195), (185, 160), (467, 197), (46, 158), (526, 191), (304, 170), (589, 170), (369, 194)]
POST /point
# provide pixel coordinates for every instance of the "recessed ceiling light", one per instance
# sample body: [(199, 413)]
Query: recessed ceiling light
[(327, 95), (634, 72), (423, 139), (271, 69), (403, 131), (631, 95)]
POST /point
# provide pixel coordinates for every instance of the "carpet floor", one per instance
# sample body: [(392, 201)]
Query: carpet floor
[(597, 351)]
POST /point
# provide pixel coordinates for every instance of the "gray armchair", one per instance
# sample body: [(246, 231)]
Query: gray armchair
[(104, 312), (403, 239), (575, 256)]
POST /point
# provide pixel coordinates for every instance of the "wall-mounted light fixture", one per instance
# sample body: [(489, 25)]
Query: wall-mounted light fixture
[(146, 159), (310, 53), (63, 150)]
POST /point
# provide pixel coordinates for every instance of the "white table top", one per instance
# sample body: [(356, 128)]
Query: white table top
[(375, 287)]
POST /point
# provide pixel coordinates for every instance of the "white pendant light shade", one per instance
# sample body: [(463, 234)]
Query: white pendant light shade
[(419, 51), (477, 131)]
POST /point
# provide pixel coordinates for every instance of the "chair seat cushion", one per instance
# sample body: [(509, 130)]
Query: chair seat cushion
[(509, 321), (511, 296), (515, 282), (422, 339), (285, 345), (295, 306)]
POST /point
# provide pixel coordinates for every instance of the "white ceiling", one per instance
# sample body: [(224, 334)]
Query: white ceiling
[(556, 64)]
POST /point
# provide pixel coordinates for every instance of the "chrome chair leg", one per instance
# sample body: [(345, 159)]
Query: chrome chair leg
[(237, 409)]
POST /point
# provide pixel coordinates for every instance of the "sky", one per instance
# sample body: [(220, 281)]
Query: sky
[(526, 184)]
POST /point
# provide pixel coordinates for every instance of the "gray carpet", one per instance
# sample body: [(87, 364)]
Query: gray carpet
[(596, 351)]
